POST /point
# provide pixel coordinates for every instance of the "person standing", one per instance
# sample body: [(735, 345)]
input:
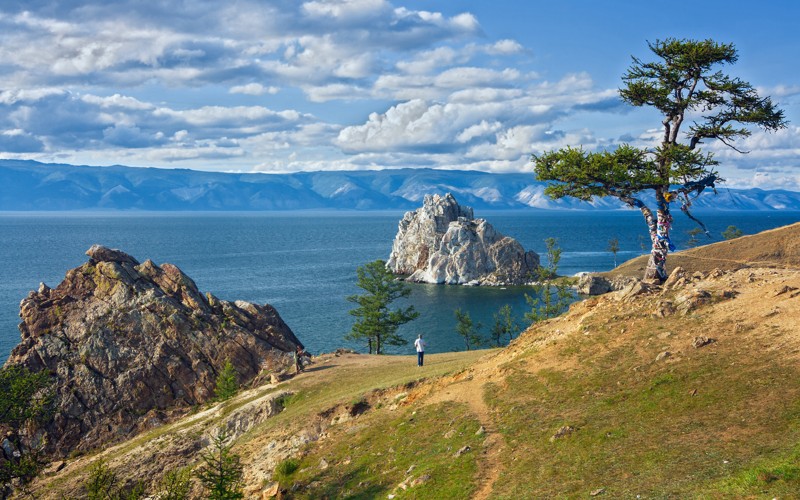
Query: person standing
[(420, 345), (298, 362)]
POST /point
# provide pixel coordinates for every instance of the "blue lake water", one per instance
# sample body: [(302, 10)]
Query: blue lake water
[(305, 263)]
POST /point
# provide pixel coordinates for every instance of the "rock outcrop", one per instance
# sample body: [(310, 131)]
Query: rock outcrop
[(442, 243), (130, 343)]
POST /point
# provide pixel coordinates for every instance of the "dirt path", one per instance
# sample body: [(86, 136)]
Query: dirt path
[(470, 391)]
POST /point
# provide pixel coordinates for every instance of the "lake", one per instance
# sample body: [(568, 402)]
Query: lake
[(304, 263)]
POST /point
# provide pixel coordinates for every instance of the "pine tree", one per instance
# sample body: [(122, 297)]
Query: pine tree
[(25, 398), (227, 386), (504, 326), (613, 247), (552, 295), (731, 233), (376, 323), (221, 472), (467, 329), (684, 85)]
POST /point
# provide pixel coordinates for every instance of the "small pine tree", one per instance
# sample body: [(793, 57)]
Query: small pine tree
[(732, 232), (227, 386), (504, 325), (552, 296), (613, 247), (467, 329), (693, 240), (102, 484), (221, 472), (176, 484), (25, 398)]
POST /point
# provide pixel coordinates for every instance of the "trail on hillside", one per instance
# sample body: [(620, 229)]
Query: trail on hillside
[(470, 390)]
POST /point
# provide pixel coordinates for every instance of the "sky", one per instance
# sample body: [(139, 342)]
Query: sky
[(289, 85)]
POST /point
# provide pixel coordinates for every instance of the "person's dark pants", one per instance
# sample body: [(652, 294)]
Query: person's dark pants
[(420, 358)]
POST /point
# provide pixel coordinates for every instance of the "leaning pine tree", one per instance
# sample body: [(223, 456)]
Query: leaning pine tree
[(683, 84)]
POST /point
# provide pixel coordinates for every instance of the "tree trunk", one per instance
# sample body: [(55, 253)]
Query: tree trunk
[(658, 226), (659, 235)]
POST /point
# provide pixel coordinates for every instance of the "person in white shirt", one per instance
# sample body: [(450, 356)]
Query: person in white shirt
[(420, 345)]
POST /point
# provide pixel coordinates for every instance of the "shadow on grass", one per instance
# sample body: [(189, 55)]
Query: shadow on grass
[(339, 487), (318, 368)]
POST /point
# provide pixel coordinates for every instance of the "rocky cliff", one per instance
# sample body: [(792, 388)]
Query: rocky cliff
[(442, 243), (129, 343)]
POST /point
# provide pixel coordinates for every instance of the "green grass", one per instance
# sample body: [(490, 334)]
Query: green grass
[(690, 427), (776, 477), (315, 394), (310, 395), (372, 462)]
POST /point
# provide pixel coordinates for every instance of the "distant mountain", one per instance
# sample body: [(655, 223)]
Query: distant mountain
[(30, 185)]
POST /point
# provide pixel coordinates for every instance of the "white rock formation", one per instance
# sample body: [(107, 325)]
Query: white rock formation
[(442, 243)]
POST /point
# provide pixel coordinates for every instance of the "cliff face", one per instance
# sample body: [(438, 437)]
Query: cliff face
[(442, 243), (127, 343)]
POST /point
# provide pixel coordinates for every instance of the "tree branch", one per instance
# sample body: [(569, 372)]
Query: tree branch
[(723, 141)]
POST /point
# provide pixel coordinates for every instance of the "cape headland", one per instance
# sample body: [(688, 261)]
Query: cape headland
[(443, 243), (129, 344)]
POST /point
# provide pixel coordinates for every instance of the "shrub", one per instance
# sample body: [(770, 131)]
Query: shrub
[(176, 484)]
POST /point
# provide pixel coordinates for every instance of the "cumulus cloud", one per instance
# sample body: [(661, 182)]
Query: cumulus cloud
[(508, 122), (504, 47)]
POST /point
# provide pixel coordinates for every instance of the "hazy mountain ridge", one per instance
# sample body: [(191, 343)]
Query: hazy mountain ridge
[(30, 185)]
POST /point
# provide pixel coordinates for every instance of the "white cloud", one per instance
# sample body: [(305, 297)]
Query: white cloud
[(466, 77), (427, 61), (504, 47), (346, 9), (334, 91), (14, 96), (216, 115), (117, 101), (481, 129), (507, 123), (253, 89)]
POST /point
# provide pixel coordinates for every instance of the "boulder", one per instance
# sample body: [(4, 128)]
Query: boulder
[(591, 284), (129, 344), (701, 341), (442, 243)]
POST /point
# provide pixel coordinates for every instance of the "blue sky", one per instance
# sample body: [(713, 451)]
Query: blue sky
[(284, 85)]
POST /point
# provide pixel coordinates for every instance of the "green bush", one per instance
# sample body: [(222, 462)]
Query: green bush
[(176, 484), (285, 469)]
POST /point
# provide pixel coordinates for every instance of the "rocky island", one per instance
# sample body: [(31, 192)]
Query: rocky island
[(128, 344), (443, 243)]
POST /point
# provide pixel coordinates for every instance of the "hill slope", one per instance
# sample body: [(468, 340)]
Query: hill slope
[(30, 185), (654, 392), (778, 247)]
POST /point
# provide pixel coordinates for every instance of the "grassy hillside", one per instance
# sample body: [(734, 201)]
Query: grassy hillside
[(774, 248), (659, 392)]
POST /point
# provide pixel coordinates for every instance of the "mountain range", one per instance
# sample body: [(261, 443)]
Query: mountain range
[(33, 186)]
